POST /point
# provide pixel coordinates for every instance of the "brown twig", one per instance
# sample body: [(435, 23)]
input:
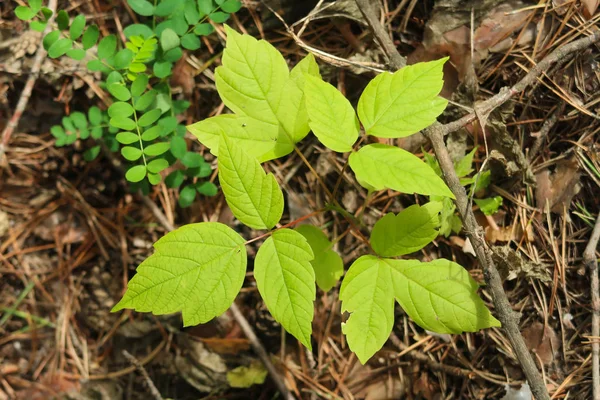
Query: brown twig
[(151, 387), (387, 45), (591, 263), (504, 311), (40, 55), (436, 134)]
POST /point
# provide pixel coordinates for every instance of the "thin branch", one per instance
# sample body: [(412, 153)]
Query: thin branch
[(382, 37), (504, 311), (591, 263), (151, 386), (40, 55)]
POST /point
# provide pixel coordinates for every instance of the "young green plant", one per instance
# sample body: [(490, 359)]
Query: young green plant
[(198, 269), (143, 119)]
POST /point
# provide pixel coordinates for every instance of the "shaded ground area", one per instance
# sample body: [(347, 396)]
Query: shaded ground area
[(71, 234)]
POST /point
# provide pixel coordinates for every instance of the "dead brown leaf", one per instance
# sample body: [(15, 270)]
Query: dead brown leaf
[(544, 342), (558, 188)]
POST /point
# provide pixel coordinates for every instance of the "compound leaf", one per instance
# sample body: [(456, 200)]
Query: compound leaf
[(254, 197), (197, 269), (409, 231), (400, 104), (328, 264), (381, 166), (256, 137), (285, 280), (367, 293), (331, 116), (440, 296)]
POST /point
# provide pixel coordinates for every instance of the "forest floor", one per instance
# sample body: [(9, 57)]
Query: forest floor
[(71, 234)]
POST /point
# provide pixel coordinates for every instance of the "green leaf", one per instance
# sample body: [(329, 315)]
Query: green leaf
[(204, 29), (139, 85), (127, 137), (256, 137), (156, 149), (286, 282), (173, 55), (292, 111), (76, 54), (131, 153), (166, 8), (154, 179), (77, 27), (35, 5), (90, 37), (120, 109), (157, 165), (231, 6), (95, 65), (388, 167), (145, 100), (50, 39), (126, 124), (367, 293), (190, 11), (218, 17), (251, 82), (254, 197), (187, 196), (327, 264), (123, 59), (24, 13), (62, 20), (107, 47), (206, 6), (490, 205), (135, 174), (169, 39), (60, 47), (175, 179), (207, 188), (245, 376), (197, 269), (190, 42), (331, 116), (409, 231), (114, 77), (38, 26), (464, 166), (162, 69), (151, 133), (149, 117), (178, 147), (119, 91), (95, 115), (79, 120), (46, 13), (141, 7), (440, 296), (400, 104), (91, 153), (192, 160), (138, 30)]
